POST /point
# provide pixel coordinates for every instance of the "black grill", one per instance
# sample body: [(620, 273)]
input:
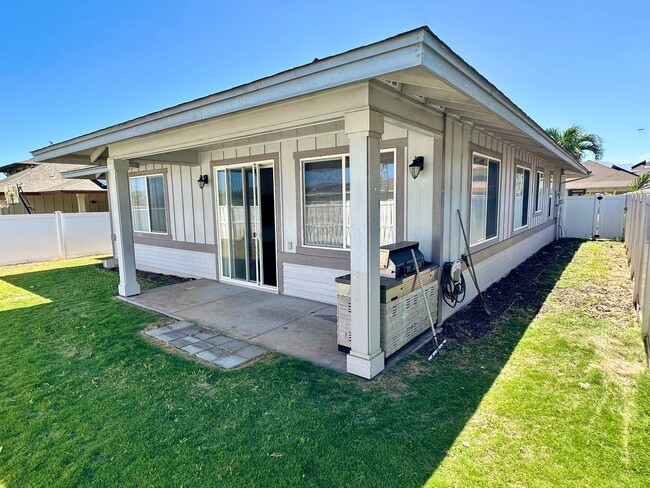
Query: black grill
[(396, 260)]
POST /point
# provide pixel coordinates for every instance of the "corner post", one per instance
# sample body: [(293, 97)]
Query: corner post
[(364, 129), (120, 197)]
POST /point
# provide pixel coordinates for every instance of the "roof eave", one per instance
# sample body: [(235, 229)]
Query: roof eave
[(441, 61)]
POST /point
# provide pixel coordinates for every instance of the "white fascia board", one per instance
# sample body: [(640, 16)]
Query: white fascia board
[(85, 173), (361, 64), (443, 63)]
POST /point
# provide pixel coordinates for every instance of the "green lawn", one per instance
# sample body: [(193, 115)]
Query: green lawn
[(555, 398)]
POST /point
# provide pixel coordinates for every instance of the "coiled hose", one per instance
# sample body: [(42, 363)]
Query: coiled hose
[(452, 293)]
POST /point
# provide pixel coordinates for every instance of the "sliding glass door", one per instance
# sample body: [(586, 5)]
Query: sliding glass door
[(246, 223)]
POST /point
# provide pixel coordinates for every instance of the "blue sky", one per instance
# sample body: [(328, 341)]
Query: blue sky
[(68, 68)]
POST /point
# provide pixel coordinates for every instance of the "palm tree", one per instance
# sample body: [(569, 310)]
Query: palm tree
[(576, 142), (641, 183)]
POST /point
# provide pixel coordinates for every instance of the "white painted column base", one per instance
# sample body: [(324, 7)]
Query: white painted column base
[(128, 290), (365, 366)]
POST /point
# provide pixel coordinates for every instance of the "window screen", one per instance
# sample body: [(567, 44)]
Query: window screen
[(484, 205)]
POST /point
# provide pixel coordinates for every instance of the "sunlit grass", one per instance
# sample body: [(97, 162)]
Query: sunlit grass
[(86, 400)]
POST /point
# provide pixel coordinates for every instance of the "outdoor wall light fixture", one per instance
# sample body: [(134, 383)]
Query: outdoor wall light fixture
[(202, 181), (416, 166)]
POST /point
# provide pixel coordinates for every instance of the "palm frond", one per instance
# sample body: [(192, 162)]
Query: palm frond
[(641, 183), (576, 142)]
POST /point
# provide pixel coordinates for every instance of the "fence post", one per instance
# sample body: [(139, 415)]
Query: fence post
[(59, 233)]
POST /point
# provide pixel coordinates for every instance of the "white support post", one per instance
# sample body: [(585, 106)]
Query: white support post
[(118, 187), (81, 202), (364, 129)]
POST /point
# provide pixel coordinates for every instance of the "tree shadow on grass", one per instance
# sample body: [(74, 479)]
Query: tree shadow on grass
[(281, 422)]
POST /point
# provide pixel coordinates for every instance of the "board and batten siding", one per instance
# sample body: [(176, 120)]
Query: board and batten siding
[(190, 208), (461, 141), (193, 221)]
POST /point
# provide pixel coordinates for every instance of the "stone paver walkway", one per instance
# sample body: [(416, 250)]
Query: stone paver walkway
[(207, 344)]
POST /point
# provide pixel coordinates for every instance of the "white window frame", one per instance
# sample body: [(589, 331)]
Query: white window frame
[(551, 195), (146, 189), (345, 247), (514, 229), (498, 209), (539, 191)]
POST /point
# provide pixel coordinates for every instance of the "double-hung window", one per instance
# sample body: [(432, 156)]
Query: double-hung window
[(148, 204), (484, 205), (326, 200), (539, 196), (522, 197)]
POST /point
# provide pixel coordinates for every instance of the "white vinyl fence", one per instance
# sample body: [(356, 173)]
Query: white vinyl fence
[(594, 216), (39, 237), (637, 243)]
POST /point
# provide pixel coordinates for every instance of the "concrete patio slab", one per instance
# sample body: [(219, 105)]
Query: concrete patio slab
[(250, 314), (196, 292), (243, 322)]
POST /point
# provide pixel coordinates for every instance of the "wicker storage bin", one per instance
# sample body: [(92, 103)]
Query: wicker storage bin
[(401, 319)]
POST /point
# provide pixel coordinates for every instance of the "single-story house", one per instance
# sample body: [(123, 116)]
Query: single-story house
[(602, 179), (288, 182), (45, 190)]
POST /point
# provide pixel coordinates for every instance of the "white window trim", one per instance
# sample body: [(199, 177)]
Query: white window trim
[(342, 156), (498, 210), (146, 189), (539, 197), (551, 196), (515, 229)]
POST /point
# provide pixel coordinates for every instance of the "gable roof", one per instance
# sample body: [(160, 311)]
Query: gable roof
[(47, 178), (417, 59), (602, 176)]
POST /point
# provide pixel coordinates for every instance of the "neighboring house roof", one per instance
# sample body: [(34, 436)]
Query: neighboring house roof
[(602, 176), (18, 166), (642, 167), (46, 178), (415, 63)]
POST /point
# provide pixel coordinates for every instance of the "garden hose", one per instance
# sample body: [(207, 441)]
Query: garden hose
[(453, 292)]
